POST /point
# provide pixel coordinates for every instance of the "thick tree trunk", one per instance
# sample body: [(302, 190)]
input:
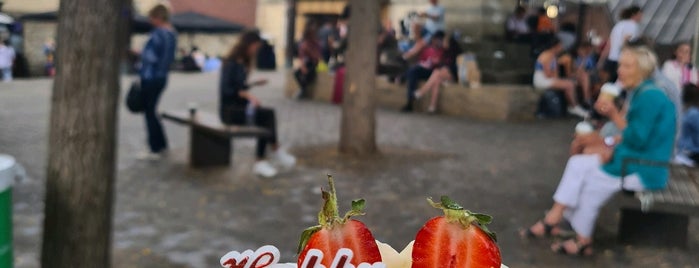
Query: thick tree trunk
[(358, 128), (290, 31), (82, 135)]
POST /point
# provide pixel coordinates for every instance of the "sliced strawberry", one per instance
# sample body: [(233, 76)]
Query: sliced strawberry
[(334, 233), (457, 239)]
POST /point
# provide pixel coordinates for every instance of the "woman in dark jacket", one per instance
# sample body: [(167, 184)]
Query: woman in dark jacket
[(239, 107)]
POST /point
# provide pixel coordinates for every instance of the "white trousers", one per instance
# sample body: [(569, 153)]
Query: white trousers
[(585, 188)]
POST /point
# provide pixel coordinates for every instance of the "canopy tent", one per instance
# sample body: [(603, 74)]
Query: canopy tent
[(186, 22)]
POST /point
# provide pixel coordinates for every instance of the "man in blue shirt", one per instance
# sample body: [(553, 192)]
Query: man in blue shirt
[(156, 58)]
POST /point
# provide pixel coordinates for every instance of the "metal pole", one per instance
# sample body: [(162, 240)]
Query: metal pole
[(290, 31)]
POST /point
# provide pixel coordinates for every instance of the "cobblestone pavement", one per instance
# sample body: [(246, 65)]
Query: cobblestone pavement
[(168, 215)]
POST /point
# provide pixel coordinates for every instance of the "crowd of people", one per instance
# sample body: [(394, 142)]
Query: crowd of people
[(654, 118)]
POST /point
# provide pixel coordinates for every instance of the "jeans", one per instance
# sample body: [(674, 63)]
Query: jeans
[(264, 118), (152, 89), (414, 75), (6, 74)]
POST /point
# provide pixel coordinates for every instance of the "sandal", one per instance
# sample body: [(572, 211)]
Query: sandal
[(548, 229), (583, 250)]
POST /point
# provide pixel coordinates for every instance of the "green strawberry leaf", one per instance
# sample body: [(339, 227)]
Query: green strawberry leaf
[(450, 204), (358, 204), (306, 235), (483, 219), (488, 232)]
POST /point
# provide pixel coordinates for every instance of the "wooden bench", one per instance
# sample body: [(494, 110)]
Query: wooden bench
[(661, 218), (210, 140)]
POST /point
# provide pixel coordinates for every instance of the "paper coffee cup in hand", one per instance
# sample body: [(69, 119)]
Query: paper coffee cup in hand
[(609, 91), (583, 128)]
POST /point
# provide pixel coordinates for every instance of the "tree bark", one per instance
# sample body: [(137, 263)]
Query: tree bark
[(82, 135), (290, 32), (358, 127)]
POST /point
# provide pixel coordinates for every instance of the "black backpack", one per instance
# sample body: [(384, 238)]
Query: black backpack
[(552, 104)]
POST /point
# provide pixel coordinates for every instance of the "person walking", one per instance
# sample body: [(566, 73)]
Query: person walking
[(237, 106), (7, 58), (434, 18), (156, 58), (624, 31)]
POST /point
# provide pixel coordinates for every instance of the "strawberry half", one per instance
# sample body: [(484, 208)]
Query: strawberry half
[(457, 239), (334, 233)]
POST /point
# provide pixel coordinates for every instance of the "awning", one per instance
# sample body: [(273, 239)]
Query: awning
[(186, 22)]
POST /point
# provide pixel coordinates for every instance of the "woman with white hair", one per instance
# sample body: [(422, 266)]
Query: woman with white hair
[(590, 180)]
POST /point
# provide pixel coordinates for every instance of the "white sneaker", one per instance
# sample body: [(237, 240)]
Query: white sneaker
[(264, 168), (417, 95), (578, 111), (683, 160), (149, 156), (284, 158)]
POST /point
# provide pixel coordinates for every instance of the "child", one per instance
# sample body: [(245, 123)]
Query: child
[(688, 143)]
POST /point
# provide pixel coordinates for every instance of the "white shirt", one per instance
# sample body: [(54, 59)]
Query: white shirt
[(7, 55), (673, 71), (621, 30), (517, 25), (434, 25)]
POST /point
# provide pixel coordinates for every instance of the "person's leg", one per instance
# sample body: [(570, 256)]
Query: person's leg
[(414, 75), (266, 118), (597, 189), (434, 79), (567, 193), (443, 74), (6, 74), (584, 80), (568, 88), (151, 94)]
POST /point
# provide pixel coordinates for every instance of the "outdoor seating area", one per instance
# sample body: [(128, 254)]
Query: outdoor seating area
[(211, 141), (661, 218), (489, 102)]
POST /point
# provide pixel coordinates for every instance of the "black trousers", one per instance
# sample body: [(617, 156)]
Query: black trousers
[(414, 75), (264, 118), (305, 79), (152, 90), (611, 67)]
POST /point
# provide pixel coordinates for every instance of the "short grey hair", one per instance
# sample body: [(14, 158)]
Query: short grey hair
[(646, 58)]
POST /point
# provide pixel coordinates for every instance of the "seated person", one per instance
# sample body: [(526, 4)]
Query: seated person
[(546, 77), (679, 69), (517, 27), (310, 55), (589, 181), (429, 58), (688, 143), (447, 71), (239, 107)]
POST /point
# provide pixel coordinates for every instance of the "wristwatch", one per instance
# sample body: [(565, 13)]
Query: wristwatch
[(610, 141)]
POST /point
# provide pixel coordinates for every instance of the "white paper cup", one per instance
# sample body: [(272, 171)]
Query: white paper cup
[(609, 91), (583, 128)]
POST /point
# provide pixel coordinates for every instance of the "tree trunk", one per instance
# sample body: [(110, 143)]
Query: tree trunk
[(358, 128), (82, 135), (290, 31)]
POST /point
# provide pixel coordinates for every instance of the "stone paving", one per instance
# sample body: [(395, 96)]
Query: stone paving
[(168, 215)]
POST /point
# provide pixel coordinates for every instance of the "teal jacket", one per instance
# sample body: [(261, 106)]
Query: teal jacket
[(649, 135)]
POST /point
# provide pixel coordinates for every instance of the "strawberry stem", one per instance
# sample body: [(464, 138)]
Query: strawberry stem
[(454, 212), (329, 215)]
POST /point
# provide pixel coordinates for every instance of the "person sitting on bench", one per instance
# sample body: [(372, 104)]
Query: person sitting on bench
[(688, 143), (589, 181), (546, 77), (239, 107)]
